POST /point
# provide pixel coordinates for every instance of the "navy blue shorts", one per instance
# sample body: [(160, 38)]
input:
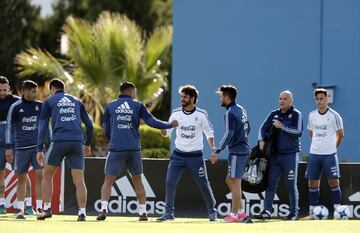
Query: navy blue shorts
[(72, 150), (3, 158), (24, 158), (326, 164), (116, 160), (236, 165)]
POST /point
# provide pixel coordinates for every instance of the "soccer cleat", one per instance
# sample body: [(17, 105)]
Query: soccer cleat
[(229, 218), (45, 214), (291, 217), (20, 216), (81, 218), (213, 217), (143, 217), (241, 217), (264, 215), (29, 210), (39, 211), (2, 209), (166, 217), (102, 216)]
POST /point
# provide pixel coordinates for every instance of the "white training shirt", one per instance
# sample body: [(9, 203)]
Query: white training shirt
[(192, 125), (324, 128)]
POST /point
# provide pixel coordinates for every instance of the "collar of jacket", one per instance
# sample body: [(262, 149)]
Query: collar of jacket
[(290, 110), (59, 91), (125, 96), (230, 105)]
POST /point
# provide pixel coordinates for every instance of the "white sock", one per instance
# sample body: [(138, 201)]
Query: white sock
[(28, 201), (47, 206), (39, 204), (104, 206), (2, 201), (233, 215), (142, 209), (336, 206), (241, 211), (82, 211), (21, 206)]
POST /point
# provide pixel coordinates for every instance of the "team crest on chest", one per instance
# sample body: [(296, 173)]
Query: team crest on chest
[(36, 108), (290, 115)]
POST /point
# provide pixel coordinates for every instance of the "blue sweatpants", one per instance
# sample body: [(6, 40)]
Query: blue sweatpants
[(285, 165), (195, 163)]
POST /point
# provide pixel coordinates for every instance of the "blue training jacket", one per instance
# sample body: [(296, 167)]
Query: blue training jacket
[(23, 120), (122, 120), (67, 113), (288, 137), (4, 109), (237, 128)]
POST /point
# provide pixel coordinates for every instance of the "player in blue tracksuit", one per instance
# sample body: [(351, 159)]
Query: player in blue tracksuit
[(23, 120), (6, 100), (284, 160), (121, 125), (236, 140), (66, 113)]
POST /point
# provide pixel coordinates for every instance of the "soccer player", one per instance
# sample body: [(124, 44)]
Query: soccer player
[(193, 123), (6, 100), (121, 125), (326, 131), (23, 117), (237, 128), (66, 113), (284, 160)]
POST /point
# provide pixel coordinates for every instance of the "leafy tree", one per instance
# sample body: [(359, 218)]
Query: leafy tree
[(148, 14), (19, 28), (101, 55)]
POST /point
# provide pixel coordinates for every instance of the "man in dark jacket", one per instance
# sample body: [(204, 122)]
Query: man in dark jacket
[(284, 160), (67, 113), (121, 125)]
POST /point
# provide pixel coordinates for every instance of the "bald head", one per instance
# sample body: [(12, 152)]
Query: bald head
[(285, 100), (288, 93)]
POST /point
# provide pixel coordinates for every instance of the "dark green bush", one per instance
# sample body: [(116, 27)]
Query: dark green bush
[(155, 153), (152, 138)]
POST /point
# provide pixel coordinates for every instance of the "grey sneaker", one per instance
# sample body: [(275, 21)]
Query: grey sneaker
[(213, 217), (166, 217)]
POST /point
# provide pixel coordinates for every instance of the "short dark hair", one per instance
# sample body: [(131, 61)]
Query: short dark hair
[(57, 83), (28, 85), (229, 90), (320, 91), (126, 86), (3, 80), (189, 90)]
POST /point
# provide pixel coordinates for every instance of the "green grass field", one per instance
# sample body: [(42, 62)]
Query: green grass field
[(67, 224)]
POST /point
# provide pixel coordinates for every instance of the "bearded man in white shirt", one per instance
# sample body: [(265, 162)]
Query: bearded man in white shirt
[(193, 123)]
